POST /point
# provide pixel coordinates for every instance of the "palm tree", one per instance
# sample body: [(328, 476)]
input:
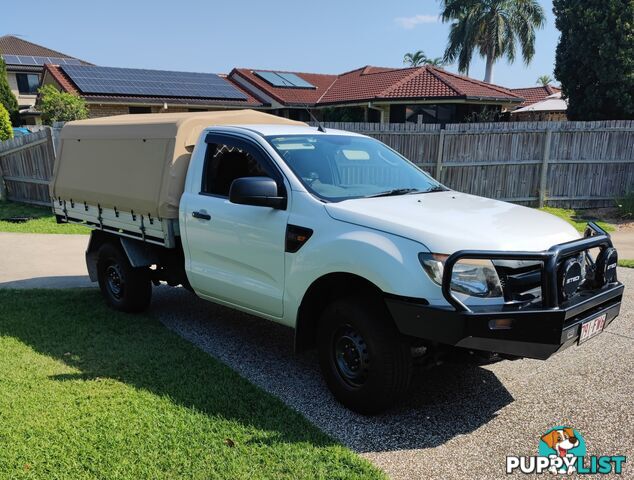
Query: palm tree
[(418, 58), (544, 80), (436, 62), (415, 59), (492, 28)]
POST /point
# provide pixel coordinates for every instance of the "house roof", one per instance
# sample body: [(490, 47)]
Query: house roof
[(375, 83), (534, 94), (287, 96), (67, 85), (11, 45), (371, 83), (552, 103)]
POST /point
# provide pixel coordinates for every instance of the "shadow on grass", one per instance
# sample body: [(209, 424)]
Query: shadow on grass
[(76, 328), (52, 282)]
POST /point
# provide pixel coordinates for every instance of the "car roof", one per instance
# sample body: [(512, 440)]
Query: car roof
[(274, 130)]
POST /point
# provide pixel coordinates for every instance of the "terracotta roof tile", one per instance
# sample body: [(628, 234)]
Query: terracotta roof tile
[(534, 94), (288, 96), (375, 83)]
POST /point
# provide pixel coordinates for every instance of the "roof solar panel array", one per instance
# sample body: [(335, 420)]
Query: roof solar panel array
[(283, 79), (31, 60), (132, 81)]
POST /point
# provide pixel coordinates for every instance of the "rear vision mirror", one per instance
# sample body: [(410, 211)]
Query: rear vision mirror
[(256, 191)]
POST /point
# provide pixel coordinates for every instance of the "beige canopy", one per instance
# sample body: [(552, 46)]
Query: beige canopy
[(137, 162)]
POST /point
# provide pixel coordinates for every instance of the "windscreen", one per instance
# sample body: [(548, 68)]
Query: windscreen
[(339, 167)]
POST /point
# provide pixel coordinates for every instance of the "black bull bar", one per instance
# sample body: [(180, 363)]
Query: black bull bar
[(594, 237), (536, 330)]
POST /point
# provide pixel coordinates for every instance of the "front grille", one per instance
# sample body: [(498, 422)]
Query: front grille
[(520, 283)]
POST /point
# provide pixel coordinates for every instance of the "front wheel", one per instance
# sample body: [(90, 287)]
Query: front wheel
[(124, 287), (365, 361)]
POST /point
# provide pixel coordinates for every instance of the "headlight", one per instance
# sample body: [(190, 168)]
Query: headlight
[(476, 278)]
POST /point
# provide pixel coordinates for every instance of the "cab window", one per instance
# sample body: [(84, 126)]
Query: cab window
[(224, 163)]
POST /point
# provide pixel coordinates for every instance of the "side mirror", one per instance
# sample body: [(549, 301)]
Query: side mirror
[(257, 191)]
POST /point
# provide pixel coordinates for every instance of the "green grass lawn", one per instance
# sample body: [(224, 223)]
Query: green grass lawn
[(42, 220), (577, 219), (86, 392)]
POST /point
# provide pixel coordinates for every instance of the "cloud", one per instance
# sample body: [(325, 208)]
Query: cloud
[(410, 22)]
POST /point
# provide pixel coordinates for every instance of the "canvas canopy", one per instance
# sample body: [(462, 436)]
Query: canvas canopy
[(136, 162)]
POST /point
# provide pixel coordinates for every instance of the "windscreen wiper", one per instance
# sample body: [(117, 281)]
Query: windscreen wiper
[(393, 192), (437, 188)]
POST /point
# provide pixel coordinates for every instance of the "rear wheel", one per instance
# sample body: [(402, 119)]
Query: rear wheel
[(364, 360), (124, 287)]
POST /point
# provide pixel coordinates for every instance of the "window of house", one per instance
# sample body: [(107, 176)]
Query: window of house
[(28, 83), (225, 163), (442, 113), (140, 109)]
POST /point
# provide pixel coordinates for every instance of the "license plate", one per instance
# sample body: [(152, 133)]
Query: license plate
[(591, 328)]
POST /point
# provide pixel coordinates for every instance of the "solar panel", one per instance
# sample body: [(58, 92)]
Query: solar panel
[(32, 60), (273, 78), (283, 80), (11, 59), (296, 80), (132, 81)]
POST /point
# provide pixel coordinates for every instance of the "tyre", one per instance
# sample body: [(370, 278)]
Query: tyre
[(125, 288), (365, 361)]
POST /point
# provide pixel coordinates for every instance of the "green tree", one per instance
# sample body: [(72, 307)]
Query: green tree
[(436, 61), (59, 106), (6, 131), (414, 59), (418, 58), (493, 28), (7, 99), (544, 80), (595, 58)]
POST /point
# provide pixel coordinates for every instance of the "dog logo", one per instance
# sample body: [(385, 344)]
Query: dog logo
[(562, 450), (563, 442)]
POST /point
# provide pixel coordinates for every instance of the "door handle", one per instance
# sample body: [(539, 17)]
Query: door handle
[(201, 215)]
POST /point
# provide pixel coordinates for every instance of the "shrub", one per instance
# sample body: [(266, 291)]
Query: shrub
[(59, 106), (7, 99), (6, 132)]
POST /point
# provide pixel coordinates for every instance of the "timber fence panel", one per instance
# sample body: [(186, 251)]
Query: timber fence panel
[(567, 164), (26, 167)]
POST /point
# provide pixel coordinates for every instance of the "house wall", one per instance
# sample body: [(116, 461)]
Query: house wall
[(23, 100)]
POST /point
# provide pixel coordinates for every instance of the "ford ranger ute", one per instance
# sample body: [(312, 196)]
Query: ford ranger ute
[(332, 233)]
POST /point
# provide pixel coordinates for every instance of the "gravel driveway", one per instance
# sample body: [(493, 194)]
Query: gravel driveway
[(460, 420)]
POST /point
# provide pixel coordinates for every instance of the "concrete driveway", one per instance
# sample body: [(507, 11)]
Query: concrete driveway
[(43, 261), (460, 420)]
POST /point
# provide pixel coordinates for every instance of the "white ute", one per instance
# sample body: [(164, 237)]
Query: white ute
[(333, 234)]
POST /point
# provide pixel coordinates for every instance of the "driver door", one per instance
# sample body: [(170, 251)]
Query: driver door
[(236, 251)]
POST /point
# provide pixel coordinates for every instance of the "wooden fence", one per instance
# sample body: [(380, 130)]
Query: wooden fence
[(567, 164), (26, 166)]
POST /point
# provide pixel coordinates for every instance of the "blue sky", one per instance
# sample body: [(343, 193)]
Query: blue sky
[(327, 36)]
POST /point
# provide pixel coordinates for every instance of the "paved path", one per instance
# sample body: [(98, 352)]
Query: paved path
[(43, 261), (460, 420), (623, 240)]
